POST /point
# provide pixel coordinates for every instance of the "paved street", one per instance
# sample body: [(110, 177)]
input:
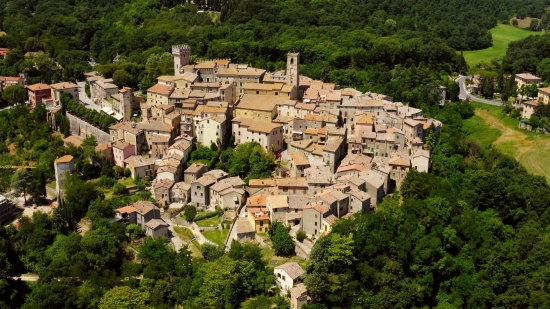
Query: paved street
[(464, 94), (88, 103), (233, 231)]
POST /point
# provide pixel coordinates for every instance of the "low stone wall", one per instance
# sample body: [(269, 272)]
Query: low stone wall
[(81, 128)]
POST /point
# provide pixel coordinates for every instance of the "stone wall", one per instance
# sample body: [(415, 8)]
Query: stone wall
[(81, 128)]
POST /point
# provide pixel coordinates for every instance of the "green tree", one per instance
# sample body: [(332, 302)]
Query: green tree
[(21, 182), (283, 245), (14, 94), (123, 297), (190, 212), (101, 249)]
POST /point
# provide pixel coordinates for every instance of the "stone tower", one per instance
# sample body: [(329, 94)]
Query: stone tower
[(293, 69), (181, 55)]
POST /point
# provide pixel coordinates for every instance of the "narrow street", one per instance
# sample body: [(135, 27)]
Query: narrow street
[(88, 103)]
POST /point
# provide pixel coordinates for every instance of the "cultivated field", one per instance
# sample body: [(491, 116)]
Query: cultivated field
[(502, 36), (530, 149)]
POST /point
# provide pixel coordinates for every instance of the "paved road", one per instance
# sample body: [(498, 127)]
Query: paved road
[(233, 230), (174, 239), (464, 94), (88, 103)]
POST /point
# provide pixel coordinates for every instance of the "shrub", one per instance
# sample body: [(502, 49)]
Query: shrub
[(135, 230), (190, 213), (211, 252), (300, 236), (106, 182), (127, 172), (119, 188), (208, 215)]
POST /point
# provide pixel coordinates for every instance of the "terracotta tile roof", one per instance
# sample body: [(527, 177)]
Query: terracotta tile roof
[(227, 183), (139, 161), (330, 220), (232, 190), (291, 182), (351, 167), (527, 76), (256, 126), (180, 93), (366, 119), (102, 147), (292, 269), (194, 168), (181, 187), (303, 144), (277, 201), (360, 195), (188, 76), (300, 158), (260, 102), (298, 290), (306, 106), (244, 226), (258, 200), (153, 125), (126, 209), (333, 144), (38, 86), (182, 145), (163, 183), (156, 223), (318, 174), (320, 208), (531, 102), (64, 159), (121, 145), (218, 174), (160, 138), (144, 207), (266, 182), (411, 122), (544, 90), (206, 180), (161, 89), (167, 169), (64, 85), (236, 71)]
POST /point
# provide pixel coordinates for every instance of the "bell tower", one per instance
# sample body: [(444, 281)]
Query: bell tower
[(293, 69), (181, 55)]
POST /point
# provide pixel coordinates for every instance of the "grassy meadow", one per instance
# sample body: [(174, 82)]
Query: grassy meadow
[(502, 36), (490, 126)]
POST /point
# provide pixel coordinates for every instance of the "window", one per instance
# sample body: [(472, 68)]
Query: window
[(198, 187), (315, 215), (315, 223), (201, 194), (195, 193)]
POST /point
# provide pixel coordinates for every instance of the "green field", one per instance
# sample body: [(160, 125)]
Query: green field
[(490, 126), (502, 36), (216, 236), (214, 221)]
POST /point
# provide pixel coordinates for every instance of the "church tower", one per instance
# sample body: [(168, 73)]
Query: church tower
[(293, 69), (181, 55)]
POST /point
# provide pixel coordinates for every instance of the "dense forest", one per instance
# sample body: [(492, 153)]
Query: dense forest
[(391, 47)]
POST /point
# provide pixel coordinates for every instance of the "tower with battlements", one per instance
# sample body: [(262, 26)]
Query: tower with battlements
[(293, 69), (181, 55)]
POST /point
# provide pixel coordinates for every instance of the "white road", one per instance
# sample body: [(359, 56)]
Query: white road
[(464, 94), (87, 102)]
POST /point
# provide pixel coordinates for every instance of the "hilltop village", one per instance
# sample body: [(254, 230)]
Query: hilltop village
[(338, 151)]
